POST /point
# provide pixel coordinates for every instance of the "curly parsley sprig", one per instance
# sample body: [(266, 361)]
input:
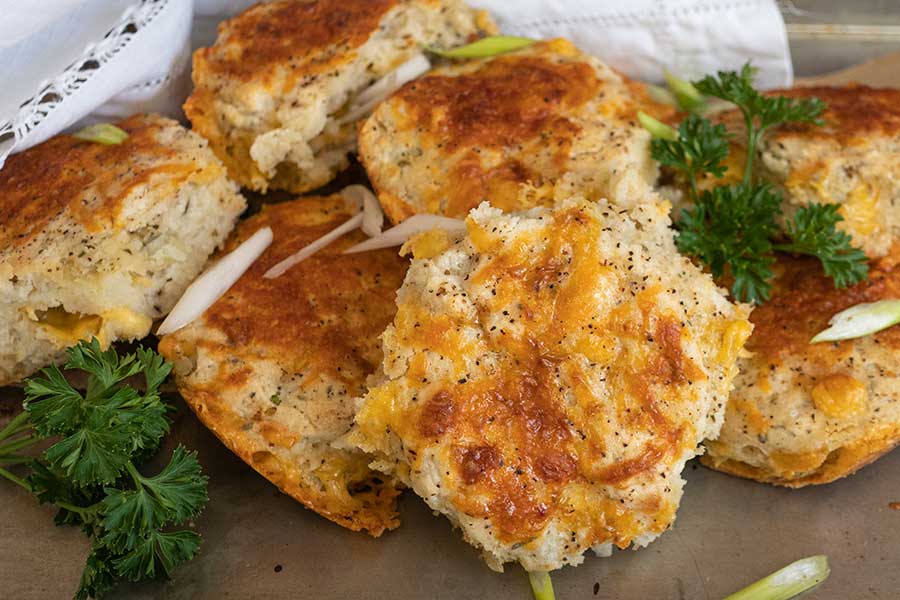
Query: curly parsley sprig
[(91, 473), (761, 113), (716, 232), (733, 228), (700, 147), (812, 231)]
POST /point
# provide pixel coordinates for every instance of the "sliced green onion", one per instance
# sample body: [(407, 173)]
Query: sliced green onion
[(102, 133), (541, 585), (489, 46), (657, 129), (860, 320), (660, 94), (688, 97), (788, 582)]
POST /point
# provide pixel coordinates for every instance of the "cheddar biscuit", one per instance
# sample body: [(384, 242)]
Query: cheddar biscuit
[(273, 92), (804, 413), (519, 130), (98, 241), (271, 368), (548, 375)]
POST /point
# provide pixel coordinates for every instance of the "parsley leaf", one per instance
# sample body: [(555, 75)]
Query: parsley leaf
[(127, 515), (180, 487), (700, 148), (812, 231), (760, 112), (155, 369), (91, 472), (775, 110), (50, 487), (729, 229), (91, 455), (176, 494), (105, 369), (98, 576), (106, 427), (735, 87), (53, 404), (156, 554)]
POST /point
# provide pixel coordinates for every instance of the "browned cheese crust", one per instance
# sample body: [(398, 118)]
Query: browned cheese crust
[(519, 130), (806, 413), (272, 366), (547, 376), (853, 115), (89, 181)]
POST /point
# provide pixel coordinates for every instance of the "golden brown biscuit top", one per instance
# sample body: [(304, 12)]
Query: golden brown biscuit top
[(86, 180), (338, 304), (803, 300), (301, 35), (507, 100), (504, 128), (854, 113)]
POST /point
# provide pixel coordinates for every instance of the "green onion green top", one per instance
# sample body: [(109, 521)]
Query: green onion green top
[(860, 320), (657, 129), (686, 95), (662, 95), (541, 585), (485, 47), (102, 133), (788, 582)]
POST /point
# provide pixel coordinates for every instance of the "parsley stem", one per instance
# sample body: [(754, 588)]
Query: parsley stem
[(135, 476), (13, 446), (17, 424), (17, 480), (14, 459), (752, 140), (695, 195), (72, 508)]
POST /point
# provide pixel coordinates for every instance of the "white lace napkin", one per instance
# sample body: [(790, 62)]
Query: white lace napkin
[(61, 60), (67, 61)]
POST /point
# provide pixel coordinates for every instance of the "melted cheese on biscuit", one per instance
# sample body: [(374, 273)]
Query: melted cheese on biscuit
[(554, 385)]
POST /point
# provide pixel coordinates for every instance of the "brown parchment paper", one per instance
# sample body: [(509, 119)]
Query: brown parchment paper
[(259, 543)]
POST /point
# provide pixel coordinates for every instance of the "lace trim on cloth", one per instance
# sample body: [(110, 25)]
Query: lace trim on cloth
[(52, 93)]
